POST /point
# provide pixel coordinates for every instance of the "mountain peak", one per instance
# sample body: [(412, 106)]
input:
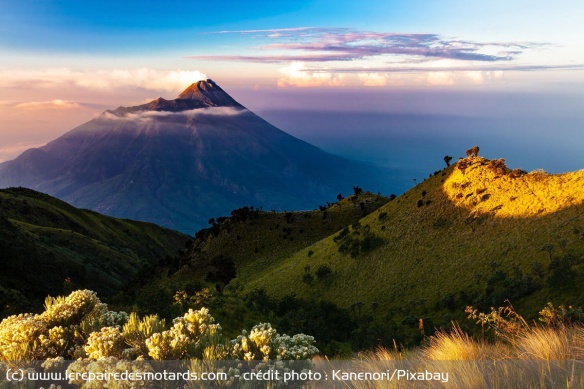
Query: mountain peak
[(209, 94), (201, 94)]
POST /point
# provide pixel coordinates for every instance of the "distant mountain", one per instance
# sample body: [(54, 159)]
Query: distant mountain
[(179, 162), (50, 247)]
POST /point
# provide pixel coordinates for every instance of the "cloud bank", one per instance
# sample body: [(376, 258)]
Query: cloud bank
[(190, 114), (317, 57), (101, 79)]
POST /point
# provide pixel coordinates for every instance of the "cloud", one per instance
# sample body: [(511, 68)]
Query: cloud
[(422, 69), (149, 115), (52, 104), (271, 32), (342, 44), (373, 79), (101, 79), (297, 75)]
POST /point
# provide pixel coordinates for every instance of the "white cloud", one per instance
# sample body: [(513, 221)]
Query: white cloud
[(52, 104), (296, 74), (148, 115), (373, 79), (101, 79), (440, 78)]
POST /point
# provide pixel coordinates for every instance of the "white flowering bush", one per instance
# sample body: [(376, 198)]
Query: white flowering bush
[(276, 352), (137, 330), (19, 338), (114, 319), (108, 367), (55, 341), (80, 327), (58, 331), (297, 347), (71, 309), (264, 343), (192, 336), (53, 364), (108, 342)]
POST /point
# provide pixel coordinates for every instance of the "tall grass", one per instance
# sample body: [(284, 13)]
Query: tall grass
[(550, 344), (537, 357), (457, 345)]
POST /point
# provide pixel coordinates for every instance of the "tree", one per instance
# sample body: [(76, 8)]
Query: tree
[(473, 152), (357, 190), (447, 159)]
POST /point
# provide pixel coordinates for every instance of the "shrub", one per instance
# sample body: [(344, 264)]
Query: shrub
[(189, 337), (560, 316), (462, 165), (515, 173), (360, 240), (449, 302), (264, 343), (498, 166), (193, 335), (307, 278), (323, 271), (107, 342)]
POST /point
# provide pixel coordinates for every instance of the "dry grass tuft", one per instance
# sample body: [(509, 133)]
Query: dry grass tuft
[(551, 344), (457, 345)]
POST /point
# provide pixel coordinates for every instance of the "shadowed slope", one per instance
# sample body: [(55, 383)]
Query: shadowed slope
[(45, 241)]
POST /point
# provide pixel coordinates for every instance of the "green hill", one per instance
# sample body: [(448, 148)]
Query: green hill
[(251, 240), (475, 233), (51, 247)]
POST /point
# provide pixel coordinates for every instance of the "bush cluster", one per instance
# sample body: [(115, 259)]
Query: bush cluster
[(359, 240), (80, 326)]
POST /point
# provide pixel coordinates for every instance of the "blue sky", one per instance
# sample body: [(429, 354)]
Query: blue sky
[(64, 62)]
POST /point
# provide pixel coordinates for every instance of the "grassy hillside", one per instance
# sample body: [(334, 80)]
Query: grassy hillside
[(241, 246), (475, 233), (50, 247)]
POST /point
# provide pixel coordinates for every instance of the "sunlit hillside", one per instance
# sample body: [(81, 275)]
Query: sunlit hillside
[(475, 233)]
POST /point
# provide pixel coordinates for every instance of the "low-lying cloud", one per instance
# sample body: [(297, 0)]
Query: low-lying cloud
[(192, 113), (51, 104), (100, 79)]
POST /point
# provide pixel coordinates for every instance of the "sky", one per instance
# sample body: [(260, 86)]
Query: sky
[(381, 81)]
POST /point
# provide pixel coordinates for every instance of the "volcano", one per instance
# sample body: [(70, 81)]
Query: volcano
[(179, 162)]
